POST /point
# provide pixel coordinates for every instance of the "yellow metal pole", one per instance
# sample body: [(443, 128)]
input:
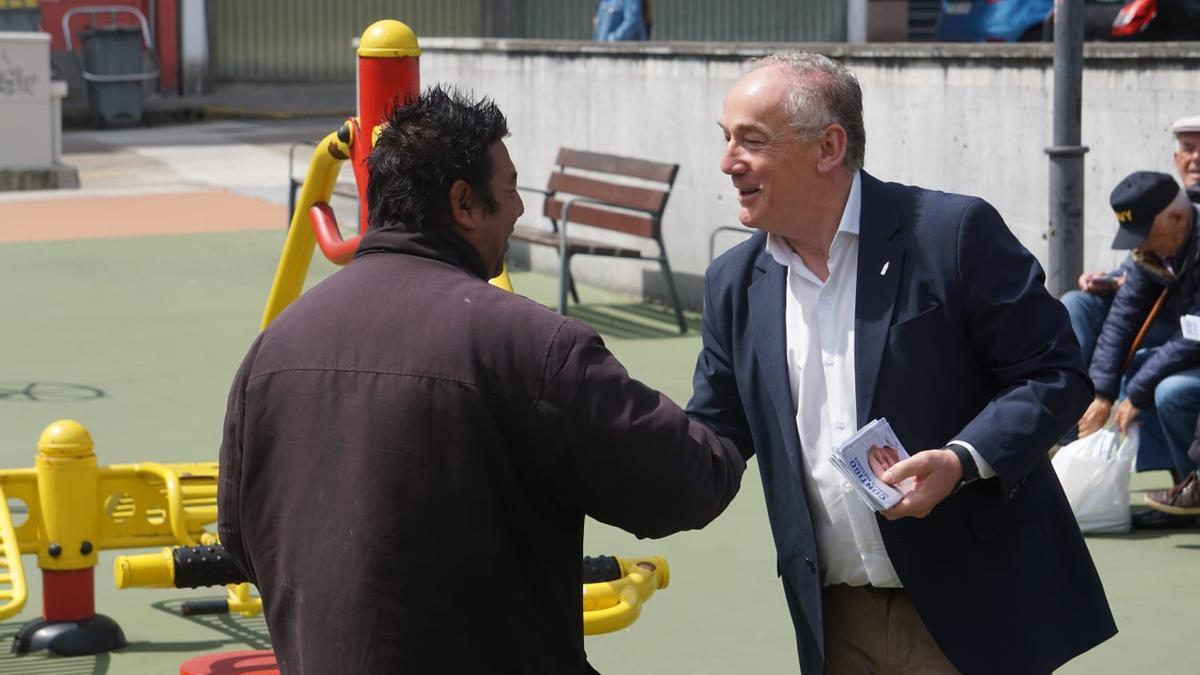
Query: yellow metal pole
[(502, 280), (12, 598), (298, 249)]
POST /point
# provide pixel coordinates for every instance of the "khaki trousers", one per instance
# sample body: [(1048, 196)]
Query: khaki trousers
[(876, 631)]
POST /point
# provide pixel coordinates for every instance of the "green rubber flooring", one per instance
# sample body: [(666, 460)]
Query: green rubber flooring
[(138, 338)]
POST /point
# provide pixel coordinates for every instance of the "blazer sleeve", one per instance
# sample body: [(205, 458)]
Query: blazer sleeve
[(1022, 337), (1176, 354), (715, 400), (622, 452)]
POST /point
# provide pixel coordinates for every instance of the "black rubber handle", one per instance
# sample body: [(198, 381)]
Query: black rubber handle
[(600, 568), (198, 566), (196, 607)]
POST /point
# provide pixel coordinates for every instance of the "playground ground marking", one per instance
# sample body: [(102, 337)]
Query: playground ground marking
[(134, 215)]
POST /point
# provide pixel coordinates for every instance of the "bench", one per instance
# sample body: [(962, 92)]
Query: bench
[(581, 191)]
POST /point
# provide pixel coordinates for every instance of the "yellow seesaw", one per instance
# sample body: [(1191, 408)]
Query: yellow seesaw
[(75, 509), (611, 602)]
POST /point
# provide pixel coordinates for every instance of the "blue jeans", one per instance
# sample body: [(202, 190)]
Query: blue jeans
[(1087, 312), (1169, 426)]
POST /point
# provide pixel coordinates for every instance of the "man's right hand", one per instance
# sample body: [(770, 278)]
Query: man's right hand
[(1095, 417), (1099, 283)]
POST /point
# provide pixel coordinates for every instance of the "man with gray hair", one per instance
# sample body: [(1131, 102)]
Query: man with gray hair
[(860, 300)]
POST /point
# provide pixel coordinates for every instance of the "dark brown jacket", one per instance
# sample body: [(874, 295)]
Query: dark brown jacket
[(408, 456)]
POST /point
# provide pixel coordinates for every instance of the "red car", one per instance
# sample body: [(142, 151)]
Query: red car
[(1124, 20)]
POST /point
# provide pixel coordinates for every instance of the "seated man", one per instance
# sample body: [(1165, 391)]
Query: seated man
[(1089, 306), (1157, 221), (1184, 498)]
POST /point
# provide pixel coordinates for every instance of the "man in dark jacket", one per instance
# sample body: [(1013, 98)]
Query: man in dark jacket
[(1157, 221), (409, 452)]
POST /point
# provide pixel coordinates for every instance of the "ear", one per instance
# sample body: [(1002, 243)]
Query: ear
[(460, 199), (832, 149), (1183, 222)]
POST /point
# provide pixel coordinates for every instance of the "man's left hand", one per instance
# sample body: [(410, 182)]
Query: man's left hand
[(1126, 414), (935, 474)]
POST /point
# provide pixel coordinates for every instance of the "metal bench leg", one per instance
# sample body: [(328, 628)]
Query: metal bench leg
[(666, 268), (292, 187), (564, 282), (574, 293)]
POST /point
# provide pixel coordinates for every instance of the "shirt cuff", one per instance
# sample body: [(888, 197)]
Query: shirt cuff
[(985, 469)]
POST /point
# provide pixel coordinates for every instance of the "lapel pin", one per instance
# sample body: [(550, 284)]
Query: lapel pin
[(885, 268)]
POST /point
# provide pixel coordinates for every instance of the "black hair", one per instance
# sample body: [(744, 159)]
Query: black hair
[(427, 144)]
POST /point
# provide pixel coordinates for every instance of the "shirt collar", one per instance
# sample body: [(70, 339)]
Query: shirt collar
[(849, 224)]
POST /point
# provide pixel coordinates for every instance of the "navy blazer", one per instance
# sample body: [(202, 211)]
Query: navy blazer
[(957, 339)]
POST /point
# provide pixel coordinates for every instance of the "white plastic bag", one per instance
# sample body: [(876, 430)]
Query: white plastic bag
[(1094, 472)]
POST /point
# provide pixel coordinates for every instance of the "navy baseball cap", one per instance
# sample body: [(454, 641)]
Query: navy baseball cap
[(1137, 200)]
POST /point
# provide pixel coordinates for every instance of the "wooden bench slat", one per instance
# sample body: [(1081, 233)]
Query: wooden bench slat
[(623, 166), (626, 196), (574, 244), (619, 221)]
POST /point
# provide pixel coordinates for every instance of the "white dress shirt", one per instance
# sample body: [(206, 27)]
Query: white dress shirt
[(820, 355), (819, 320)]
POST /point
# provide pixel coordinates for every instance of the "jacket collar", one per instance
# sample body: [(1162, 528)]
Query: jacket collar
[(435, 243)]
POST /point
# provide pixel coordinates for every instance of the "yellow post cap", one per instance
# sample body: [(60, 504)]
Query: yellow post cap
[(65, 438), (388, 38)]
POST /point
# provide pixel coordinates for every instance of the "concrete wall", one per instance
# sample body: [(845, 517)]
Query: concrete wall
[(961, 118)]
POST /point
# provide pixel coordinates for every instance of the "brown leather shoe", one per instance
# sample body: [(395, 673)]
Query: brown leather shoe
[(1181, 500)]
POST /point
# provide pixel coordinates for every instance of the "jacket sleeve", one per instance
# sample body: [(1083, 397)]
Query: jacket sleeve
[(1176, 354), (622, 452), (1129, 310), (715, 400), (229, 476), (1022, 337)]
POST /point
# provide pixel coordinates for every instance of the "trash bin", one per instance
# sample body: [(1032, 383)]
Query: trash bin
[(113, 51), (114, 64)]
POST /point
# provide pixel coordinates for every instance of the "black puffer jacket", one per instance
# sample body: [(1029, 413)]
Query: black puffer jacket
[(1129, 310)]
